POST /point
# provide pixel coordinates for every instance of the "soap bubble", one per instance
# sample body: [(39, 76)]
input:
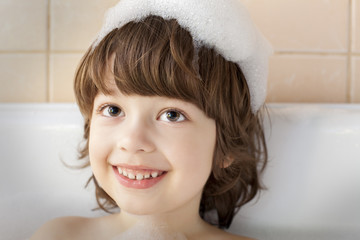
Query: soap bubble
[(150, 230)]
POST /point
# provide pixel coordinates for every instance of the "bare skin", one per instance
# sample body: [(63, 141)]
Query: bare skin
[(139, 131), (107, 228)]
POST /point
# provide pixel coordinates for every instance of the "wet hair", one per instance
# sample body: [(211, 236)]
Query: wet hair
[(157, 57)]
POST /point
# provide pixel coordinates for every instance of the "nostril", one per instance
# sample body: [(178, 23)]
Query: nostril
[(126, 144)]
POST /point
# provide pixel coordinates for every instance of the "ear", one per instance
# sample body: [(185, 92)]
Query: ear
[(228, 160)]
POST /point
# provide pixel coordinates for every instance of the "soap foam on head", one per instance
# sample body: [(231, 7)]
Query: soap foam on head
[(224, 25)]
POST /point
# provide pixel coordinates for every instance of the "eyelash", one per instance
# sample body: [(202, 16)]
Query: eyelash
[(175, 110), (102, 107)]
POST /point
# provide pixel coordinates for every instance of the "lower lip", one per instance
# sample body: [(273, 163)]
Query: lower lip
[(137, 184)]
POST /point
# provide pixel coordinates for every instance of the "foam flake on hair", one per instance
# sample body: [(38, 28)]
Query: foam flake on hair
[(224, 25)]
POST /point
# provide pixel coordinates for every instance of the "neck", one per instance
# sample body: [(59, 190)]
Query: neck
[(184, 221)]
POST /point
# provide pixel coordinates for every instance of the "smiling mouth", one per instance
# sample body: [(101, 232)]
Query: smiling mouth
[(138, 178), (139, 174)]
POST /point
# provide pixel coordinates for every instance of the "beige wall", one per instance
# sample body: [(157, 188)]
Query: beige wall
[(317, 47)]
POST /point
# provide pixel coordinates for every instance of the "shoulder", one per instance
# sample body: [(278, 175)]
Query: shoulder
[(62, 228), (215, 233), (230, 236), (236, 237)]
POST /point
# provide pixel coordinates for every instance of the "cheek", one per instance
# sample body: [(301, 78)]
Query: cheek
[(99, 146), (192, 152)]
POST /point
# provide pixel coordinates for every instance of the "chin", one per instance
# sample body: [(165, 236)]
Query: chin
[(139, 208)]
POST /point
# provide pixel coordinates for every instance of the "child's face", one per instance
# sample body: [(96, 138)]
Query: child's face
[(145, 136)]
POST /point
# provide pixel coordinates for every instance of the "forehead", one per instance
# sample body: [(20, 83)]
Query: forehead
[(143, 66), (114, 93), (145, 79)]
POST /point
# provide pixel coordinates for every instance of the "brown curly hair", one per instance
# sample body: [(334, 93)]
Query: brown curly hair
[(157, 57)]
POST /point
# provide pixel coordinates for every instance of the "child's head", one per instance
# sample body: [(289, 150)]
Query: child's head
[(157, 57)]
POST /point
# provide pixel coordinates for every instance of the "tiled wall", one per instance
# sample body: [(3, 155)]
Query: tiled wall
[(316, 42)]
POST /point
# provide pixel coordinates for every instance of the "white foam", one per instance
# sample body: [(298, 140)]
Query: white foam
[(224, 25), (148, 229)]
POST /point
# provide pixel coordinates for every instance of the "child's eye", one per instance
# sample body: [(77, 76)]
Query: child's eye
[(172, 115), (111, 111)]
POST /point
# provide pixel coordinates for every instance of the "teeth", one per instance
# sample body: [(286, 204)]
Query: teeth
[(138, 176)]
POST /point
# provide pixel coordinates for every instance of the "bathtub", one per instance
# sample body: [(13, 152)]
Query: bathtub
[(312, 178)]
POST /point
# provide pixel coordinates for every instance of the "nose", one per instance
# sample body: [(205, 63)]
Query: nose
[(135, 137)]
